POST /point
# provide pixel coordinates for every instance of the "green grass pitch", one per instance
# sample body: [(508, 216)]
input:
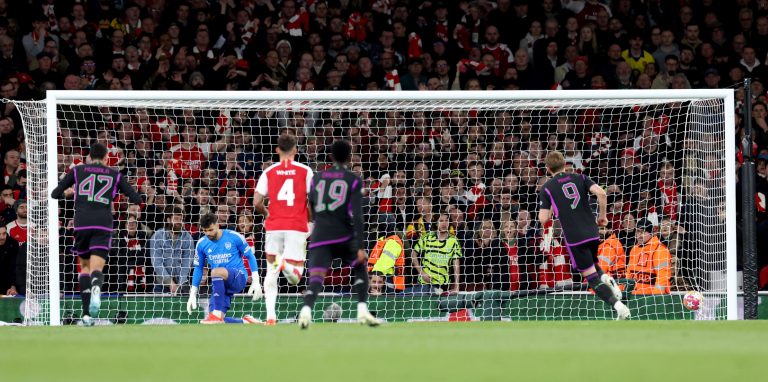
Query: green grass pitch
[(479, 351)]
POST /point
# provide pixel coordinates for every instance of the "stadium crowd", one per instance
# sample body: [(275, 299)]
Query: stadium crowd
[(461, 174)]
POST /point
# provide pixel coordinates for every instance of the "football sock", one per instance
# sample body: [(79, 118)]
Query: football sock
[(270, 291), (232, 320), (599, 271), (313, 290), (360, 271), (97, 279), (218, 296), (362, 308), (602, 290), (85, 292), (290, 269)]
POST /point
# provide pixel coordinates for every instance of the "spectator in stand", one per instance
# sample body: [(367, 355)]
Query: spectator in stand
[(667, 48), (34, 41), (423, 219), (7, 213), (486, 260), (670, 234), (691, 39), (226, 216), (636, 56), (190, 157), (11, 167), (17, 229), (127, 267), (664, 80), (649, 262), (8, 257), (247, 228), (172, 252), (508, 236)]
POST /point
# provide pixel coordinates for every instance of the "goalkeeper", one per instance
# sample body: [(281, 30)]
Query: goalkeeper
[(223, 251)]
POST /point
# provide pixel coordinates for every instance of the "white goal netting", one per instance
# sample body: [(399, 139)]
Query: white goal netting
[(476, 163)]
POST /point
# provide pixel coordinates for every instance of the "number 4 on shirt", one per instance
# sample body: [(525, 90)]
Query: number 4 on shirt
[(286, 193)]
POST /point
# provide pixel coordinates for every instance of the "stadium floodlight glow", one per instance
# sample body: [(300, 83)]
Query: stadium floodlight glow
[(603, 134)]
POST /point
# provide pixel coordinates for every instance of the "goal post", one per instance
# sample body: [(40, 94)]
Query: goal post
[(456, 135)]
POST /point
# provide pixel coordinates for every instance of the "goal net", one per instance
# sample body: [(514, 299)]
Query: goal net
[(450, 179)]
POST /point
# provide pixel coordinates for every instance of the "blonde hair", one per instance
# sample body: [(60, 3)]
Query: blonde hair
[(555, 161)]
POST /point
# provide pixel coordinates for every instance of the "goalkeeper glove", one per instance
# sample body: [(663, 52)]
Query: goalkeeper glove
[(192, 302), (255, 289)]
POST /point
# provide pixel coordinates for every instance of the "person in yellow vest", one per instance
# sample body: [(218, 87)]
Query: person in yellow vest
[(610, 254), (649, 262), (386, 265)]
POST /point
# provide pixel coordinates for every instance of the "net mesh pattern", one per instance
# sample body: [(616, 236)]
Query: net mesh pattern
[(478, 163)]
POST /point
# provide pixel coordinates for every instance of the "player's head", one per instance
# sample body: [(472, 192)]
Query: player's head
[(98, 151), (209, 223), (554, 162), (174, 217), (286, 144), (340, 151), (443, 223)]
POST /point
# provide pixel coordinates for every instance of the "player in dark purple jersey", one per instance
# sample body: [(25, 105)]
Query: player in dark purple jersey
[(95, 188), (568, 195), (336, 197)]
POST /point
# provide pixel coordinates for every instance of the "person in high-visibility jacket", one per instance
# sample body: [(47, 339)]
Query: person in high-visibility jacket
[(386, 265), (649, 262), (610, 254)]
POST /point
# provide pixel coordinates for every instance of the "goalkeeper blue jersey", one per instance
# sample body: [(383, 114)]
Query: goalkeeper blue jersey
[(227, 252)]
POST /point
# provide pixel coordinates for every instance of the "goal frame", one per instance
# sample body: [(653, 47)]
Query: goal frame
[(727, 95)]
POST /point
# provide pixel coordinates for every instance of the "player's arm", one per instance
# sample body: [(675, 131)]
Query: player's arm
[(261, 193), (310, 184), (415, 253), (64, 184), (311, 198), (456, 268), (602, 203), (197, 277), (247, 251), (128, 190), (456, 275), (545, 205)]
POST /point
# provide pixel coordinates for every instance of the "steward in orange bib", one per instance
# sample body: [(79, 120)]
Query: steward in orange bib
[(610, 254), (649, 262), (386, 265)]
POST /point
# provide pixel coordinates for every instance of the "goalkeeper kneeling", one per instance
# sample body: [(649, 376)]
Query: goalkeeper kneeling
[(223, 251)]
